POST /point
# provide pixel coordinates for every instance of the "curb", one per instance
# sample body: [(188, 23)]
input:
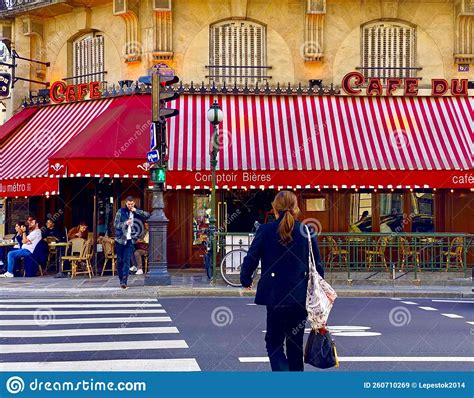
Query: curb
[(151, 293)]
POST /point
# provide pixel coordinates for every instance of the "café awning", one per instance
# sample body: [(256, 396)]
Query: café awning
[(285, 142), (24, 154), (113, 145), (325, 141)]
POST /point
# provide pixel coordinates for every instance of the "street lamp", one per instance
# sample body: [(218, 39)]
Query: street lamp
[(215, 116)]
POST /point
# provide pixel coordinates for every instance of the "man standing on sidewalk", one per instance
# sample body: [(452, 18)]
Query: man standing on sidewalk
[(129, 225)]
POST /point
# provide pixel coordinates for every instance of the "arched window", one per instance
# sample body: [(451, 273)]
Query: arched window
[(88, 58), (237, 52), (388, 50)]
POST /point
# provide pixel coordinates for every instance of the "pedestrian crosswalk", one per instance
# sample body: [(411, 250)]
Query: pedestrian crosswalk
[(88, 334)]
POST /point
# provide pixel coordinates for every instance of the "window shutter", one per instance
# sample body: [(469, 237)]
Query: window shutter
[(238, 47), (387, 48), (88, 58)]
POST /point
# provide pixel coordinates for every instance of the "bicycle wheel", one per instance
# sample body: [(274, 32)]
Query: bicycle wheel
[(230, 266)]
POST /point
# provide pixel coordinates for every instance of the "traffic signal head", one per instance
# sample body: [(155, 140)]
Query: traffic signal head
[(158, 175), (161, 96)]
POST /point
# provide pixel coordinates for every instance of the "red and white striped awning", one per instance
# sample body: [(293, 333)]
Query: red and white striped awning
[(283, 141), (24, 155)]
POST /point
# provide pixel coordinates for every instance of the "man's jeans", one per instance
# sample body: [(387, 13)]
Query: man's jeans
[(124, 255), (13, 255)]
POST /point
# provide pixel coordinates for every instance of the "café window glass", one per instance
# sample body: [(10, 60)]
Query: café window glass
[(201, 214), (422, 216), (391, 212), (361, 212)]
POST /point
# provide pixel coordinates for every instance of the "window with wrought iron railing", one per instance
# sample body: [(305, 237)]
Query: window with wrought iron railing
[(388, 50), (88, 59), (237, 53)]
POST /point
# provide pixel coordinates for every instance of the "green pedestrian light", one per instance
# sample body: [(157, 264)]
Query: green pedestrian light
[(158, 175)]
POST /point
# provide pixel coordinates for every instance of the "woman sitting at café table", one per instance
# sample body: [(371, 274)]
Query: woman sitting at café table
[(78, 232)]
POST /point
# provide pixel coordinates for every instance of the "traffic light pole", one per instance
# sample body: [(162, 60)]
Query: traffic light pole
[(158, 228)]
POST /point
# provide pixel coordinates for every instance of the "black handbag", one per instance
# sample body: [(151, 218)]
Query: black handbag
[(320, 350)]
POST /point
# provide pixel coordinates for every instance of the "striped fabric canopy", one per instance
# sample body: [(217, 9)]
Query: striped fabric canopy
[(325, 133), (26, 154)]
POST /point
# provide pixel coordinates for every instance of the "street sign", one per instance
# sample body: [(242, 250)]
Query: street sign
[(463, 68), (153, 136), (5, 82), (153, 156)]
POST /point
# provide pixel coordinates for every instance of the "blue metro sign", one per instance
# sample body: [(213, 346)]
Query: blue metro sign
[(153, 156)]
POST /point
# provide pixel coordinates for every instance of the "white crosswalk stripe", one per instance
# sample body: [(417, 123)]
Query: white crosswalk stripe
[(90, 334)]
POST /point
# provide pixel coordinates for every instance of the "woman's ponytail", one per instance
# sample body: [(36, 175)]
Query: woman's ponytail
[(286, 205)]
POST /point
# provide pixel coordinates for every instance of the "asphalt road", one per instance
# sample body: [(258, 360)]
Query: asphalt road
[(226, 334)]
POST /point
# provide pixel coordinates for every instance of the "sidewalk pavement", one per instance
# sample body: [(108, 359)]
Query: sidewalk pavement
[(195, 283)]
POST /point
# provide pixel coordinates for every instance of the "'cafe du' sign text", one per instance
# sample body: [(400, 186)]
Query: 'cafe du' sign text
[(353, 81)]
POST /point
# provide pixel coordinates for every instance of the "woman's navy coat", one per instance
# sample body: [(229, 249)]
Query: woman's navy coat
[(284, 278)]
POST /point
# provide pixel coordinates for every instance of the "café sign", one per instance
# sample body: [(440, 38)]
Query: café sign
[(353, 82), (60, 92)]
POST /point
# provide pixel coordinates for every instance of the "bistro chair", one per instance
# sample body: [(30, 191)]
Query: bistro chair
[(335, 252), (52, 250), (108, 246), (84, 260), (73, 251), (407, 252), (378, 253), (456, 251)]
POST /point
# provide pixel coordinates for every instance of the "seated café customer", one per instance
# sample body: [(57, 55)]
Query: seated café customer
[(27, 248), (50, 230), (78, 232), (141, 249), (20, 236)]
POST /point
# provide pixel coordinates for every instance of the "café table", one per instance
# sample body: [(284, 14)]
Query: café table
[(60, 246)]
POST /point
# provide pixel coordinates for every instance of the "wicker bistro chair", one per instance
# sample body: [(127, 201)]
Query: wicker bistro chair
[(378, 253), (52, 251), (83, 260), (108, 246), (456, 251), (335, 252), (407, 252), (73, 251)]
